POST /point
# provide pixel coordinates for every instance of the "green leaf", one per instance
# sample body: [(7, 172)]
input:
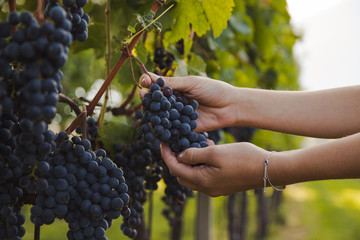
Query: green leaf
[(96, 40), (181, 68), (241, 24), (186, 13), (158, 26), (196, 65), (218, 13), (119, 130), (146, 19), (143, 55), (131, 29)]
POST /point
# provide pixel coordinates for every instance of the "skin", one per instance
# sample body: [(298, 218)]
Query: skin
[(229, 168)]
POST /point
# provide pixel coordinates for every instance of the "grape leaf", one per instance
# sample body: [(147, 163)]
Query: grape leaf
[(196, 65), (131, 29), (186, 13), (117, 131), (218, 13), (96, 38)]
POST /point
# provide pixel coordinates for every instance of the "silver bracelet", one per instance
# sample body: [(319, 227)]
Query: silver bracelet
[(266, 176)]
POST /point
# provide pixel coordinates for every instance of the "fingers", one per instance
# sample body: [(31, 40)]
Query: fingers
[(194, 156), (177, 168), (176, 83), (146, 80)]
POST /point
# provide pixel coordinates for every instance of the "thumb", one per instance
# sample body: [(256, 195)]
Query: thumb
[(182, 84), (194, 156)]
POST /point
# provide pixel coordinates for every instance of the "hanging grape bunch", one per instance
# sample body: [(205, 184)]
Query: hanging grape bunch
[(84, 188)]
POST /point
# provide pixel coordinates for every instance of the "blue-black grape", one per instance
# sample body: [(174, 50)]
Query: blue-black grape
[(176, 128), (165, 107), (75, 16), (88, 194)]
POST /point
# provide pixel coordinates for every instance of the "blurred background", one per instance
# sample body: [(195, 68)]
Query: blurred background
[(328, 54)]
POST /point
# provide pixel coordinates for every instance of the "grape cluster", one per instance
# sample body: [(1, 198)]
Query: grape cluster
[(175, 197), (171, 118), (133, 160), (163, 59), (10, 171), (11, 223), (75, 14), (36, 53), (142, 171), (84, 188), (30, 60)]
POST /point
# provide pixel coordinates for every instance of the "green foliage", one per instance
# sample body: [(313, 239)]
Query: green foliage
[(118, 130)]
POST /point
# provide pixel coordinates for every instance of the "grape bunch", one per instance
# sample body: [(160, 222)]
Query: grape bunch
[(171, 118), (36, 54), (163, 59), (11, 223), (31, 56), (75, 14), (84, 188), (140, 162), (11, 220)]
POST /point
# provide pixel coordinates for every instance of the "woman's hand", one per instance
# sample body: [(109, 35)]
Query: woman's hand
[(215, 98), (226, 168)]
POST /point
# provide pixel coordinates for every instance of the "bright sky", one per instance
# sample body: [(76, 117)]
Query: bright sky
[(329, 51)]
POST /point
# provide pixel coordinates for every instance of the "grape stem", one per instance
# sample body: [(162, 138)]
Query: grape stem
[(84, 126), (151, 208), (39, 11), (74, 105), (108, 60), (12, 5), (131, 67), (78, 120), (141, 65), (37, 232)]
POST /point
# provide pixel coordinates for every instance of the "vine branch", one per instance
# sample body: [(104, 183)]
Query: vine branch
[(12, 5)]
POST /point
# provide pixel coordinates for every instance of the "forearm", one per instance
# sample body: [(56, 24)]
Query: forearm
[(327, 113), (337, 159)]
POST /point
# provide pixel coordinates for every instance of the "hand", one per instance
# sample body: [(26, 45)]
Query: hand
[(226, 168), (215, 98)]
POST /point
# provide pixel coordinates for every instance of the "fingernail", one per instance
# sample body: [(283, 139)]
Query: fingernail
[(143, 81), (180, 156)]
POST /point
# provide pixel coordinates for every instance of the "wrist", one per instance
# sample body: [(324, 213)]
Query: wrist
[(282, 168), (243, 106)]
